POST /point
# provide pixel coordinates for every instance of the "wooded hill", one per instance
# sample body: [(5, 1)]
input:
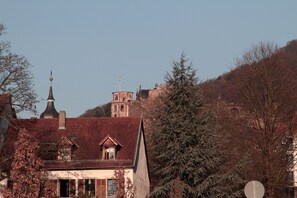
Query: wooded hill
[(227, 86)]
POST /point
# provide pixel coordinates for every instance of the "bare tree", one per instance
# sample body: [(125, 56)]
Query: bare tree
[(268, 97), (16, 78)]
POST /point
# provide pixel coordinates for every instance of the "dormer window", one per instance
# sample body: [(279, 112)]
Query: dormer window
[(65, 149), (64, 153), (109, 153), (109, 147)]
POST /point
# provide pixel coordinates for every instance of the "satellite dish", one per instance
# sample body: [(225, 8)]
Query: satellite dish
[(254, 189)]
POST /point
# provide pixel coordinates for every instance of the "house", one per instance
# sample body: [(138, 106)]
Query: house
[(82, 154)]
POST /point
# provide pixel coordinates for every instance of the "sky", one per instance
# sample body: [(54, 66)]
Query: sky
[(90, 45)]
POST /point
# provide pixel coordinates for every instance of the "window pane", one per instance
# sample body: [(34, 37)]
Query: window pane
[(111, 187), (90, 187), (64, 187), (109, 153)]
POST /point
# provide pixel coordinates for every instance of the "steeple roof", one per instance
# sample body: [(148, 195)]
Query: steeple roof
[(50, 111)]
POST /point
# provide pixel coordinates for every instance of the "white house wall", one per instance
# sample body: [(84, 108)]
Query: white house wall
[(86, 174)]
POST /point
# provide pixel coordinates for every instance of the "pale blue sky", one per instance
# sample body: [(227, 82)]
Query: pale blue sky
[(89, 44)]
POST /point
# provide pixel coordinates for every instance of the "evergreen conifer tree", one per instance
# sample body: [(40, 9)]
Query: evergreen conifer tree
[(186, 154)]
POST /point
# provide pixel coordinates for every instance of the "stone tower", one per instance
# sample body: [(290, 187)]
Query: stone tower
[(50, 111), (121, 100)]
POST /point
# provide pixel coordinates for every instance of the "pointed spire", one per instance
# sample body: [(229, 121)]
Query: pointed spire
[(50, 111), (50, 95)]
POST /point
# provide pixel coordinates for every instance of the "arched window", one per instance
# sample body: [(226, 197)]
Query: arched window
[(122, 107)]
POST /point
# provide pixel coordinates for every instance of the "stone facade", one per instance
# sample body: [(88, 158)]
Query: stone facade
[(121, 101)]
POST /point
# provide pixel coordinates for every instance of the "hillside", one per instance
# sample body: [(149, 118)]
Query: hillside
[(227, 86)]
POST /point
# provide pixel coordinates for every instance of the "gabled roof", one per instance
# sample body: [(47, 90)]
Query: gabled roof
[(69, 141), (86, 133), (113, 140)]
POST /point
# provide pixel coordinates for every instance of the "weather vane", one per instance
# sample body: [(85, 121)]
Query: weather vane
[(51, 77)]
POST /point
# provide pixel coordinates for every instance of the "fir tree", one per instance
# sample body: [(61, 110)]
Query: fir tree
[(186, 156)]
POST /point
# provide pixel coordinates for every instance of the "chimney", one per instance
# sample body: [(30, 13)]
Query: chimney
[(62, 120)]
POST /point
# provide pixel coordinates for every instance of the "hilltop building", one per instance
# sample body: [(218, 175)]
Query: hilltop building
[(123, 104), (121, 101)]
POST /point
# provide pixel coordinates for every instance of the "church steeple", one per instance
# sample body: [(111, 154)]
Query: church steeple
[(50, 111)]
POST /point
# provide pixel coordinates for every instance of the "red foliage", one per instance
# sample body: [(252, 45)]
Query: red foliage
[(26, 169), (7, 193), (124, 189), (49, 189)]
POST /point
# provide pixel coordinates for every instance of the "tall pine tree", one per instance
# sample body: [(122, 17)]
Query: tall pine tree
[(186, 154)]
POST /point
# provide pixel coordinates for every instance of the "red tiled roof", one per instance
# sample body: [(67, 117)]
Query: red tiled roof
[(87, 133)]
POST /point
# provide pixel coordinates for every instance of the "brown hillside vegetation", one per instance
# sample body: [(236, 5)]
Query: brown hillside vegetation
[(227, 85), (99, 111), (263, 89)]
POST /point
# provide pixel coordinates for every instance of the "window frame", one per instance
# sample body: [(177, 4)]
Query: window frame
[(107, 151), (67, 190), (122, 108), (90, 188), (111, 188)]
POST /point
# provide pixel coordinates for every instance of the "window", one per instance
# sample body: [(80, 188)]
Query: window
[(124, 98), (109, 148), (64, 153), (122, 107), (109, 153), (116, 97), (291, 177), (65, 149), (291, 192), (111, 187), (90, 187), (64, 187), (290, 159), (115, 107)]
